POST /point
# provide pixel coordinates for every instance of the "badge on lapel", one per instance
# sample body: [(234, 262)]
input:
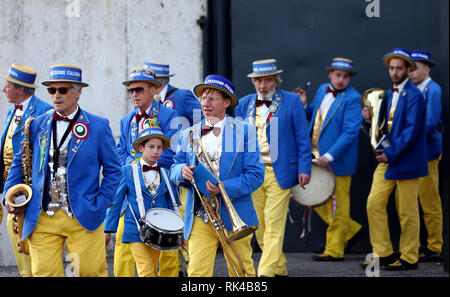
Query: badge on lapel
[(80, 130), (169, 103)]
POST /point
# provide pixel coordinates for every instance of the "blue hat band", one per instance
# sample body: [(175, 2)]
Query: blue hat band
[(219, 83), (141, 75), (264, 67), (400, 52), (158, 69), (342, 65), (24, 77), (65, 73), (420, 56), (152, 131)]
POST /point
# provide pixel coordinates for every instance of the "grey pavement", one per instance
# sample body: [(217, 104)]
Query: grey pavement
[(302, 265)]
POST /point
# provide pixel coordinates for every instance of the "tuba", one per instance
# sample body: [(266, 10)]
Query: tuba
[(373, 99), (240, 228), (19, 195)]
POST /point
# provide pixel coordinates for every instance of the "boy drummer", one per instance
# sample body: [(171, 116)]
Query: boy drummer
[(156, 192)]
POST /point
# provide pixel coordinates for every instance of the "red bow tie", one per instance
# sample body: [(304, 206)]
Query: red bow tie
[(207, 129), (146, 168), (261, 102), (139, 117), (57, 117), (329, 90), (394, 90), (18, 106)]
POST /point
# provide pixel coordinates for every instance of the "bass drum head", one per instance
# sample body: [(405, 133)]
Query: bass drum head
[(320, 188), (164, 220)]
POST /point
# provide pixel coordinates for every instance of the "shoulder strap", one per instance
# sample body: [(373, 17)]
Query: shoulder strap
[(169, 187), (137, 187), (170, 93)]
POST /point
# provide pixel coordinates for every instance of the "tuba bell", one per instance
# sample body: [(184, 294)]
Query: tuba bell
[(373, 99)]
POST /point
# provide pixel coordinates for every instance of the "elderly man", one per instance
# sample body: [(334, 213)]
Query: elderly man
[(429, 197), (401, 162), (334, 122), (142, 87), (19, 89), (234, 154), (285, 147), (71, 147)]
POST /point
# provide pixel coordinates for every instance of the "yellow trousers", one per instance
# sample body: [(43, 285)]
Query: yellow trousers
[(146, 259), (85, 249), (341, 227), (271, 203), (203, 244), (23, 261), (430, 201), (124, 265), (408, 212)]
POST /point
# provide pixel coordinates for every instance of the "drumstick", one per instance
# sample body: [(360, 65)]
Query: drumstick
[(306, 86)]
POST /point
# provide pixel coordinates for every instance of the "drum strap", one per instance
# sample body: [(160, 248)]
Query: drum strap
[(138, 190), (134, 216), (172, 196)]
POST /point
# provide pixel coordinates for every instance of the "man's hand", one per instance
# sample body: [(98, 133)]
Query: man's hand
[(212, 189), (186, 172), (301, 93), (323, 161), (303, 179), (107, 238), (381, 157), (17, 211), (367, 114)]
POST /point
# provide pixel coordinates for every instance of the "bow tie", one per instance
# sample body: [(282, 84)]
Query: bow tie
[(18, 106), (139, 117), (207, 129), (57, 117), (261, 102), (394, 90), (146, 168), (329, 90)]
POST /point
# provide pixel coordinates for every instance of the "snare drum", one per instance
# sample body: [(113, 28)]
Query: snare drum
[(320, 188), (162, 229)]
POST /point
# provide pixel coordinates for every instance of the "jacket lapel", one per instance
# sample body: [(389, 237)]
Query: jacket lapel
[(75, 143), (231, 142), (333, 108), (44, 137)]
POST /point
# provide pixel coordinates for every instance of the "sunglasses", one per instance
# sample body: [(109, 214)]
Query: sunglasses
[(137, 90), (62, 90)]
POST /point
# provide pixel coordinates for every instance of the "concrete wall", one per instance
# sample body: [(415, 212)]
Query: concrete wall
[(106, 38)]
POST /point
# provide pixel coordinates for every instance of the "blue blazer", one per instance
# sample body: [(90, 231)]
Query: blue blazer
[(240, 171), (340, 130), (129, 133), (35, 108), (290, 150), (407, 153), (88, 198), (433, 101), (185, 104), (126, 194)]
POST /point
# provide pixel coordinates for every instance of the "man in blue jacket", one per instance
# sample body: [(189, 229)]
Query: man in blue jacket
[(402, 160), (71, 147), (282, 132), (334, 122), (19, 89), (232, 147), (429, 197)]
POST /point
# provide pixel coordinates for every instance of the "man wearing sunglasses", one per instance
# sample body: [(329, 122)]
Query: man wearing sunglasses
[(19, 89), (68, 206)]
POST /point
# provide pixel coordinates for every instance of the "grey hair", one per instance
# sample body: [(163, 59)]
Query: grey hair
[(163, 80), (277, 78), (26, 90), (76, 87)]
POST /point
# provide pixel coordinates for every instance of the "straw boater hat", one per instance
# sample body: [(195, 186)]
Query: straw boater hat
[(65, 73), (142, 74), (402, 54), (264, 68), (219, 83), (152, 132), (160, 69), (21, 75), (422, 56), (341, 64)]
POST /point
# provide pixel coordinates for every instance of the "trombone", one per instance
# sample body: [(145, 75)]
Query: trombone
[(240, 228)]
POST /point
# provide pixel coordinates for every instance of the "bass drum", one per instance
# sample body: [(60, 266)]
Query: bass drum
[(320, 188), (162, 229)]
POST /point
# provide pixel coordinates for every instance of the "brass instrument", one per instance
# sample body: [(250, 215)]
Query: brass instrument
[(19, 195), (240, 228), (373, 98)]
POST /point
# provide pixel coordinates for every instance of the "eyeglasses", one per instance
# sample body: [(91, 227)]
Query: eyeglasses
[(208, 99), (137, 90), (62, 90)]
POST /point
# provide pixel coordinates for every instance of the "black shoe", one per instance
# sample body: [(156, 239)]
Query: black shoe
[(401, 265), (351, 242), (326, 258), (429, 256), (383, 260)]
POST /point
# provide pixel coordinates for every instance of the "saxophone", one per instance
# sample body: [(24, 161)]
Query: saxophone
[(19, 195)]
